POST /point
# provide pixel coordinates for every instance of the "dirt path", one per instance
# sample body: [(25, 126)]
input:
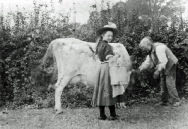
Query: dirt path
[(135, 117)]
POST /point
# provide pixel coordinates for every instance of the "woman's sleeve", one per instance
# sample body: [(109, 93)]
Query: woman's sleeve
[(108, 51)]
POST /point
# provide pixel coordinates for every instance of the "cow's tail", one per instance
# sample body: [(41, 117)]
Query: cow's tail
[(40, 69), (47, 55)]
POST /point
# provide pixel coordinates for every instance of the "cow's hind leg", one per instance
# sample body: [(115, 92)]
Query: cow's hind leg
[(58, 92)]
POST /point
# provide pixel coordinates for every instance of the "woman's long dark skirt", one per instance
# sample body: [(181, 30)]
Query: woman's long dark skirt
[(102, 95)]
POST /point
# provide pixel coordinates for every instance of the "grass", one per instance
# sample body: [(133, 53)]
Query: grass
[(138, 116)]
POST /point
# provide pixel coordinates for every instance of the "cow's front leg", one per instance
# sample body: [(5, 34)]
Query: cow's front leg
[(58, 92)]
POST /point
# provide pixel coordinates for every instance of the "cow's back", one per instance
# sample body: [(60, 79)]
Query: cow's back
[(76, 59)]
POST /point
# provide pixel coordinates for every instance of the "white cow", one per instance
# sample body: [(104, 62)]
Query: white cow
[(77, 62)]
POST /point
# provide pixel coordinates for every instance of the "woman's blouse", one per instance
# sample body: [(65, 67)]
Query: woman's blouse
[(104, 49)]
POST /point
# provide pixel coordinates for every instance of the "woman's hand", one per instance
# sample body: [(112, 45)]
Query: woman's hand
[(112, 58), (109, 57)]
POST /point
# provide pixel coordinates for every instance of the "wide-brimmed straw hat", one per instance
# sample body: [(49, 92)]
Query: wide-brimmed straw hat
[(110, 26)]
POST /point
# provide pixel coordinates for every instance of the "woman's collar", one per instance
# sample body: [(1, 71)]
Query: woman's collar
[(105, 41)]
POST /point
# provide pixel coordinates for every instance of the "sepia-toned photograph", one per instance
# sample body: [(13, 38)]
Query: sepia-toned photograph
[(93, 64)]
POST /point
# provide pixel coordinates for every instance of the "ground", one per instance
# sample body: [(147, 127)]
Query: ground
[(138, 116)]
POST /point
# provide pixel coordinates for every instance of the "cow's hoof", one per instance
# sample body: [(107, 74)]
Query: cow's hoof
[(59, 111), (122, 105)]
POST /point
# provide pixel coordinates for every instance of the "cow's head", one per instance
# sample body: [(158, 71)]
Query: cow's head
[(134, 77)]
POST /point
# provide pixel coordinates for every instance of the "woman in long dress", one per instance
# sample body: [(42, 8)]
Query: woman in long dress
[(102, 96)]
